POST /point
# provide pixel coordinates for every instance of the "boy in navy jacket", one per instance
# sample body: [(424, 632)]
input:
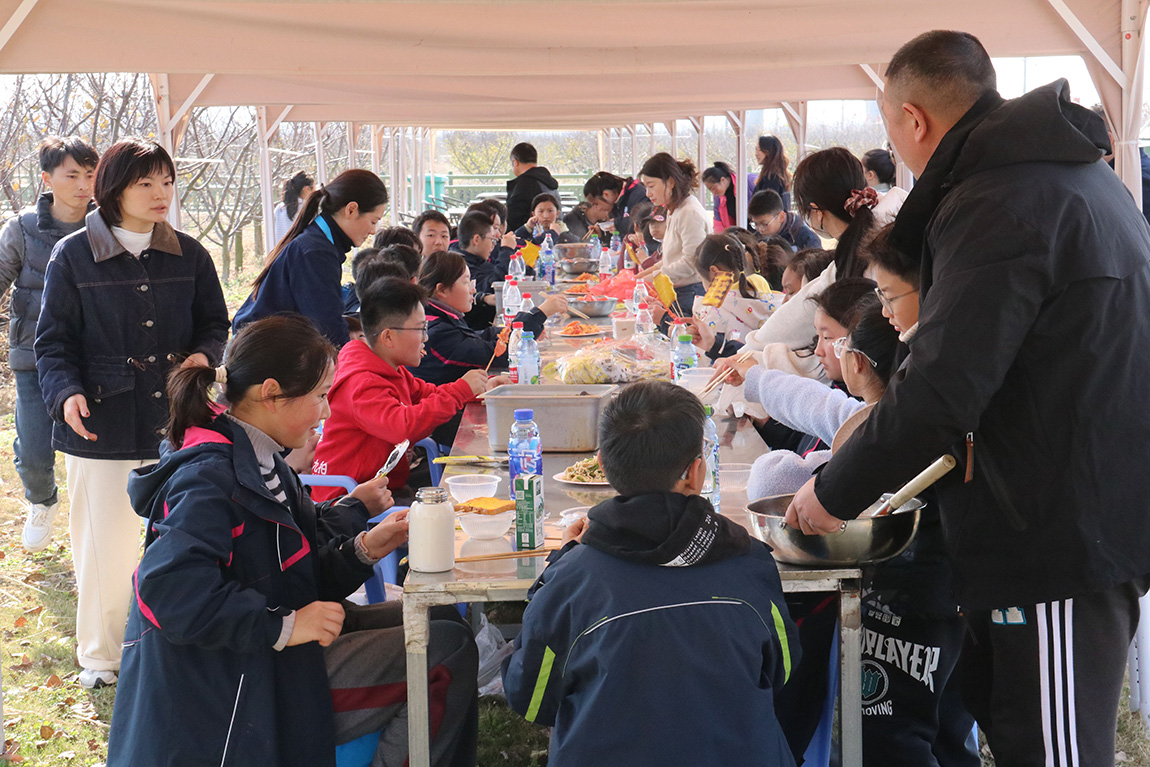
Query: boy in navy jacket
[(658, 635)]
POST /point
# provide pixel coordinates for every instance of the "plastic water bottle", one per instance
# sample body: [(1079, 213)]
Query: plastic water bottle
[(528, 358), (513, 351), (594, 243), (527, 304), (524, 448), (538, 230), (629, 264), (517, 267), (606, 265), (711, 455), (683, 357), (616, 250), (511, 299), (545, 266), (638, 296), (644, 324)]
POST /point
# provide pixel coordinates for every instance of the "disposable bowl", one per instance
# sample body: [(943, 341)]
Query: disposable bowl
[(464, 487)]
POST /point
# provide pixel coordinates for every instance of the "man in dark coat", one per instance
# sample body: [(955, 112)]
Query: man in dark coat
[(1026, 365), (530, 180)]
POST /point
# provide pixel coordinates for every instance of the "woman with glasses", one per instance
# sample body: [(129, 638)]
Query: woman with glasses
[(304, 272)]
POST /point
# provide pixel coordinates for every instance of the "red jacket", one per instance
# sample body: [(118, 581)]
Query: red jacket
[(374, 407)]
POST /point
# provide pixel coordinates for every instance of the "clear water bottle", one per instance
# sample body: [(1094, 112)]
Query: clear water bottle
[(527, 358), (527, 304), (516, 266), (594, 243), (644, 324), (511, 299), (683, 357), (711, 455), (638, 296), (545, 266), (616, 250), (538, 230), (524, 448), (513, 351), (606, 269)]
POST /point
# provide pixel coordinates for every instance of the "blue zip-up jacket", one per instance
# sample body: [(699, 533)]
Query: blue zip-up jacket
[(453, 347), (306, 278), (643, 664), (112, 327), (224, 563)]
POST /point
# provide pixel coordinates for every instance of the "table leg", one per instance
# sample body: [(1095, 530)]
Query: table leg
[(415, 634), (850, 670)]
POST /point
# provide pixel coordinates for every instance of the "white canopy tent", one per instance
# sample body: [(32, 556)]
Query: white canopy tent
[(573, 64), (570, 64)]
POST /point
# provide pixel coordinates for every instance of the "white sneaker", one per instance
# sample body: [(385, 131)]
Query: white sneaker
[(91, 679), (38, 526)]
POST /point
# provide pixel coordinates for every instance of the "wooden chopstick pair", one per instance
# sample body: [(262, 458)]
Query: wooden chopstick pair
[(508, 555), (716, 382)]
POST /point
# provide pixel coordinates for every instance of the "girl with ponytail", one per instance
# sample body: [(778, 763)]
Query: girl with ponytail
[(237, 599), (303, 273), (748, 303), (669, 182)]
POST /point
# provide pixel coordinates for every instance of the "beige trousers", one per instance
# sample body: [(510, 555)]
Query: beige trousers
[(105, 551)]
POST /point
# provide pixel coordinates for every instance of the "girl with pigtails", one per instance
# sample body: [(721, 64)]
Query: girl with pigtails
[(240, 648)]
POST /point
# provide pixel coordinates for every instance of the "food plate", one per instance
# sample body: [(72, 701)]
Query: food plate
[(578, 329), (559, 478), (602, 331)]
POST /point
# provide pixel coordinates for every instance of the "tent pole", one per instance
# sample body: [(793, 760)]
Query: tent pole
[(738, 121), (320, 159), (352, 139), (431, 156), (163, 102), (599, 147), (393, 201), (6, 32), (651, 135), (634, 149), (266, 191), (700, 125), (796, 114), (375, 149), (673, 129), (1127, 161)]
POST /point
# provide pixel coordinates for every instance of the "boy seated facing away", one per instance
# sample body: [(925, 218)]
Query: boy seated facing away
[(662, 636), (376, 403), (545, 216)]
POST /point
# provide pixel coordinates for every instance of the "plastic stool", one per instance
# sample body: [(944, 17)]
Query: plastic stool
[(357, 753), (328, 480), (386, 569), (434, 450)]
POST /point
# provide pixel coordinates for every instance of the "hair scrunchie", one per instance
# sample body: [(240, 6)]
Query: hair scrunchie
[(860, 198), (221, 375)]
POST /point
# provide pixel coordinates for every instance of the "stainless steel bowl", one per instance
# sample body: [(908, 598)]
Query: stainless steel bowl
[(578, 265), (865, 540), (575, 250), (600, 308)]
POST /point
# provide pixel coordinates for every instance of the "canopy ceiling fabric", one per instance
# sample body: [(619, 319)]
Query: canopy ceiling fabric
[(514, 64)]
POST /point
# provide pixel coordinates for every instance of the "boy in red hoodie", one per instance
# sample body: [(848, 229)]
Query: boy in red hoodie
[(375, 402)]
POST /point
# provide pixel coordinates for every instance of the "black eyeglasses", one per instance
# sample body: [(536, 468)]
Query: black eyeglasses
[(422, 329)]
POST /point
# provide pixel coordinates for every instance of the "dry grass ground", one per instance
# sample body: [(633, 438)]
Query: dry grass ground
[(50, 720)]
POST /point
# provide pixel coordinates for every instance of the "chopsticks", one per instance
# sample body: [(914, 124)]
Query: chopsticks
[(508, 555), (716, 382)]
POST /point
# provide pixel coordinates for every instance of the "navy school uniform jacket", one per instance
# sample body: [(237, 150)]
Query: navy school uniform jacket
[(656, 664), (224, 563), (484, 272), (113, 326), (306, 278), (453, 347)]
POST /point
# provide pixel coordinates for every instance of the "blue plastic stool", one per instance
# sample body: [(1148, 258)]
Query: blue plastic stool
[(386, 569), (328, 480), (818, 753), (434, 450), (357, 753)]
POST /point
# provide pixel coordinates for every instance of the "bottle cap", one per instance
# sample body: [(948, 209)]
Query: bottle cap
[(516, 325), (528, 335), (710, 411), (527, 295), (514, 282), (684, 338), (526, 414), (644, 307)]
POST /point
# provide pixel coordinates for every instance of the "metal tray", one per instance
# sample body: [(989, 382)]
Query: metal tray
[(568, 416)]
